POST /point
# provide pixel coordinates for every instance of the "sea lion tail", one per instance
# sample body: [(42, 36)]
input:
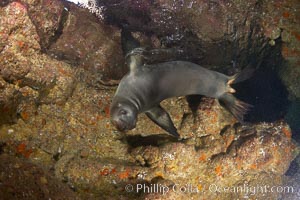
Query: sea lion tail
[(236, 107), (242, 76)]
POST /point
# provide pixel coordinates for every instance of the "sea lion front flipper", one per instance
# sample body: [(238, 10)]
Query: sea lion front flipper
[(160, 117)]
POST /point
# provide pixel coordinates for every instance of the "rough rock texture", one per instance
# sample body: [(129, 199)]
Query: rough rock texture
[(82, 43), (54, 114), (28, 75), (21, 179), (86, 152), (283, 26), (47, 16), (197, 25)]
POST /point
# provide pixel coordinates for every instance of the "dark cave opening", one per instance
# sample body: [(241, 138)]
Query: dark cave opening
[(266, 93), (265, 90)]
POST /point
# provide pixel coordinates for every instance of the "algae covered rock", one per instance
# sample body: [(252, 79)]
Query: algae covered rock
[(89, 43), (25, 180)]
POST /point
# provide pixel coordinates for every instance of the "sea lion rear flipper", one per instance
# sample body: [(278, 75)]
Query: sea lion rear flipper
[(242, 76), (236, 107), (160, 117)]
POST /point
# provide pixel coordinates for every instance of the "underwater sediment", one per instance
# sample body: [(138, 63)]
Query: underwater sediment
[(56, 139)]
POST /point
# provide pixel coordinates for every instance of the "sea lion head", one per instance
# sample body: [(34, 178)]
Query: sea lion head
[(123, 115)]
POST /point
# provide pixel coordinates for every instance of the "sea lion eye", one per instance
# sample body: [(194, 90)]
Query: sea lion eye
[(123, 112)]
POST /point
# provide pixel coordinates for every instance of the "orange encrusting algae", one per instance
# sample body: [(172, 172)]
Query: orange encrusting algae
[(125, 174), (104, 172), (218, 170), (22, 150), (286, 14), (203, 157), (24, 115), (287, 132)]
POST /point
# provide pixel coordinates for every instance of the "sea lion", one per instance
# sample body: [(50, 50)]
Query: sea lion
[(136, 56), (145, 86)]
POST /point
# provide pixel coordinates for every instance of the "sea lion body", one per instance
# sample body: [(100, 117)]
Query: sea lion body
[(148, 85), (145, 86)]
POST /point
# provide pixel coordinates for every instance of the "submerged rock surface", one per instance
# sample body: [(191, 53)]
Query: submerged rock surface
[(55, 132)]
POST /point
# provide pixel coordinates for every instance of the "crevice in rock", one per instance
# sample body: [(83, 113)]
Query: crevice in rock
[(2, 146), (243, 134), (224, 130), (183, 120), (59, 31)]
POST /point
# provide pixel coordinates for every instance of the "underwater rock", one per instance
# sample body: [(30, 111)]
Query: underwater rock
[(47, 16), (98, 162), (21, 179), (258, 157), (216, 25), (90, 44), (34, 76), (281, 25), (8, 100)]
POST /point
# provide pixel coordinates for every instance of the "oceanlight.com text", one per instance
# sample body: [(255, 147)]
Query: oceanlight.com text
[(244, 189)]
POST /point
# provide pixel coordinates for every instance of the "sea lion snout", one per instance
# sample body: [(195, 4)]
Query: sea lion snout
[(122, 125), (123, 116), (119, 125)]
